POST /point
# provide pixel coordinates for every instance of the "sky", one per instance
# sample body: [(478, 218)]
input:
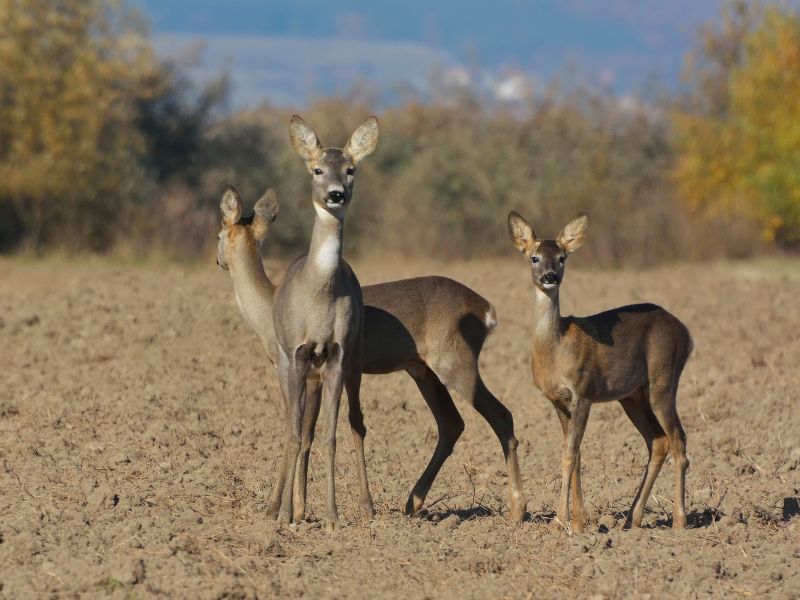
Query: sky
[(288, 52)]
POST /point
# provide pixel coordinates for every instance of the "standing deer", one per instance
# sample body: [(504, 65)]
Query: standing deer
[(431, 327), (319, 312), (634, 354)]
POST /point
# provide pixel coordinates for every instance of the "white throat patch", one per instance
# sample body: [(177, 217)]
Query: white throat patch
[(329, 252), (327, 256)]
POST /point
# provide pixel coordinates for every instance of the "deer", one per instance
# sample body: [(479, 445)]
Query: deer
[(318, 315), (431, 327), (632, 354)]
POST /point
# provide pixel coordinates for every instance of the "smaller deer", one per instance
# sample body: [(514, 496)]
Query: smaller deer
[(633, 354)]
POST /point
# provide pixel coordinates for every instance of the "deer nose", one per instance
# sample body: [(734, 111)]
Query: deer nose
[(336, 196), (549, 278)]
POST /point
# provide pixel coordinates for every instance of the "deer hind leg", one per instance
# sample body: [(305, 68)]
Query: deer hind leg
[(578, 508), (352, 383), (332, 384), (638, 409), (293, 383), (449, 425), (468, 383), (663, 403), (310, 414)]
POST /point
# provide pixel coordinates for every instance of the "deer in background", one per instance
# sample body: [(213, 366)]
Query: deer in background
[(431, 327), (634, 354)]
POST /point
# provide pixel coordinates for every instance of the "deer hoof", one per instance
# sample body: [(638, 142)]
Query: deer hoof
[(369, 510), (413, 505)]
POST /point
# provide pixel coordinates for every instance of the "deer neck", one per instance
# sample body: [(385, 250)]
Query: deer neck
[(325, 251), (547, 331), (254, 293)]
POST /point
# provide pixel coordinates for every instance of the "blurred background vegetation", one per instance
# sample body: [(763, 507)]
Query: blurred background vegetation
[(106, 148)]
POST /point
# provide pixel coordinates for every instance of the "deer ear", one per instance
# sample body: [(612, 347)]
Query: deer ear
[(304, 139), (574, 233), (363, 141), (264, 213), (521, 233), (231, 206)]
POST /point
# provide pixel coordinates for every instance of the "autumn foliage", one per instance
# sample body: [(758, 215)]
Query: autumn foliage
[(739, 150), (104, 147)]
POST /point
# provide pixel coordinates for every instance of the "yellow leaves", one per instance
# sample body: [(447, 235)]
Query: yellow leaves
[(771, 228), (746, 159), (70, 75)]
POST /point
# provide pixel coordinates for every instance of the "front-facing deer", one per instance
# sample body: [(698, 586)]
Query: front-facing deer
[(319, 312), (634, 354)]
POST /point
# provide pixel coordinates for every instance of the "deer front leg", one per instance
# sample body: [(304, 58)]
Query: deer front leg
[(578, 510), (294, 374), (276, 498), (310, 414), (579, 415), (332, 385), (274, 503)]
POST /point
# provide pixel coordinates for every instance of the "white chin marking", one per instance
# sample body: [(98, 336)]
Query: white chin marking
[(549, 286), (323, 214)]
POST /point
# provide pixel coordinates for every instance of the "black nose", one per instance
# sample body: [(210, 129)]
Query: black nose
[(336, 196), (549, 278)]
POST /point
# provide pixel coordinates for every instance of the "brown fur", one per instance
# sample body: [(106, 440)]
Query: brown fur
[(633, 354)]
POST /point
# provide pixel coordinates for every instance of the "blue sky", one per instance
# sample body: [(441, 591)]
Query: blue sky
[(290, 52)]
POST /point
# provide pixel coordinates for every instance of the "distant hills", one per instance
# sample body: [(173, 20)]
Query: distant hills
[(288, 52)]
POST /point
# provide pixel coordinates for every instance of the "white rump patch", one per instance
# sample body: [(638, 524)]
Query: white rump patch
[(490, 319)]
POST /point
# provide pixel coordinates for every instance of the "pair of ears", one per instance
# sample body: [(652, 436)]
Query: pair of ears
[(570, 239), (306, 143), (264, 211)]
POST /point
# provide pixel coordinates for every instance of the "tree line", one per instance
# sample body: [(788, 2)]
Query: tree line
[(106, 148)]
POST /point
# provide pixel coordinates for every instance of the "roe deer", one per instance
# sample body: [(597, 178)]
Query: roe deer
[(634, 354), (319, 312), (432, 327)]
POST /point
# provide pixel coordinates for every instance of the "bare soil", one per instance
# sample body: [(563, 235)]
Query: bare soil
[(140, 427)]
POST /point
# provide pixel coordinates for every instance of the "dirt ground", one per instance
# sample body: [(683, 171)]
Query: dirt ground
[(140, 426)]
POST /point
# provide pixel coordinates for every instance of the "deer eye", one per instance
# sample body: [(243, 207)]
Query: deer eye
[(317, 171), (562, 259), (534, 259), (350, 170)]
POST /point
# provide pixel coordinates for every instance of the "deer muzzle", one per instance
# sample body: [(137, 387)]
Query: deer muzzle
[(335, 197), (549, 279)]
